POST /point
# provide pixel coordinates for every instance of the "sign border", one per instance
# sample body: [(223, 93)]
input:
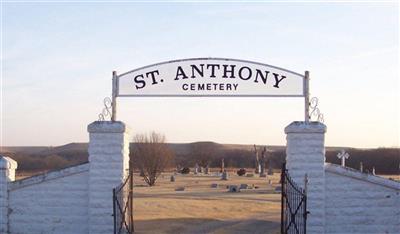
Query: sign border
[(212, 95), (210, 58), (305, 77)]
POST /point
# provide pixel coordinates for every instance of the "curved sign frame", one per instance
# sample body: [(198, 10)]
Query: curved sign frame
[(210, 77)]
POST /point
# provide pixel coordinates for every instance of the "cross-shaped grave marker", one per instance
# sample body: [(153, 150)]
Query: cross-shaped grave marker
[(343, 155)]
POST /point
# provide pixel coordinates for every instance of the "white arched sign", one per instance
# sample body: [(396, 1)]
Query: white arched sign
[(210, 77)]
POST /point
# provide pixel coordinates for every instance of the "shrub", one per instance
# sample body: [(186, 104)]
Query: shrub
[(185, 170), (241, 172)]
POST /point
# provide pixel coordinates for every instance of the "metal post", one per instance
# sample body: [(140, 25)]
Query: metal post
[(131, 226), (114, 212), (306, 96), (283, 196), (114, 96), (305, 202), (305, 183)]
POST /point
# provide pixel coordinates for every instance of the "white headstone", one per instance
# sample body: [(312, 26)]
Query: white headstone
[(224, 175), (343, 155), (206, 170)]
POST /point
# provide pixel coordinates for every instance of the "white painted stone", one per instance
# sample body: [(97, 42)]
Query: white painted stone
[(360, 203), (109, 164), (55, 202), (75, 200), (305, 154), (7, 175)]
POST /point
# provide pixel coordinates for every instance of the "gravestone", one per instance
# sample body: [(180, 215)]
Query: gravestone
[(233, 189), (243, 186), (343, 156), (270, 170), (172, 179), (257, 163), (180, 189), (262, 162), (222, 165), (206, 170), (224, 175), (178, 168)]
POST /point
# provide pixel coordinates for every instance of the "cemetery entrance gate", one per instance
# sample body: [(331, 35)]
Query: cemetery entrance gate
[(293, 205), (123, 206), (212, 77)]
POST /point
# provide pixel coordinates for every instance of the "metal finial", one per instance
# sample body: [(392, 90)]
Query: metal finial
[(315, 110), (105, 113)]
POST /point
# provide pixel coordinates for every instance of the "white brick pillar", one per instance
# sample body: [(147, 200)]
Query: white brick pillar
[(305, 153), (7, 174), (108, 167)]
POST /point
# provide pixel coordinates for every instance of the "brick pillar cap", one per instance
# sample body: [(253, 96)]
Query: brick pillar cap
[(7, 163), (303, 127), (107, 127)]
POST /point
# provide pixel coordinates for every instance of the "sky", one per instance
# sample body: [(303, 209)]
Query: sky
[(57, 60)]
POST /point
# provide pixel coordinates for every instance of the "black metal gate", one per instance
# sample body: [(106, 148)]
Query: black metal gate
[(293, 205), (123, 207)]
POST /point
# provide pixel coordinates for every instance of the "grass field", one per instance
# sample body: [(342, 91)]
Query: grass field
[(202, 209)]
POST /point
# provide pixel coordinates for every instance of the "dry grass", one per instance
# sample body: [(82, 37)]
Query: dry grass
[(393, 177), (202, 209)]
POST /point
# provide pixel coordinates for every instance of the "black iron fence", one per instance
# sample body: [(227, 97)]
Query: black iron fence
[(293, 205), (123, 207)]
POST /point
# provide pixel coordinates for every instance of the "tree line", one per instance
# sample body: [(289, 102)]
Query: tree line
[(384, 160)]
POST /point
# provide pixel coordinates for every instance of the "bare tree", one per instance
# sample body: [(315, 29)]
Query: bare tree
[(204, 152), (152, 155)]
